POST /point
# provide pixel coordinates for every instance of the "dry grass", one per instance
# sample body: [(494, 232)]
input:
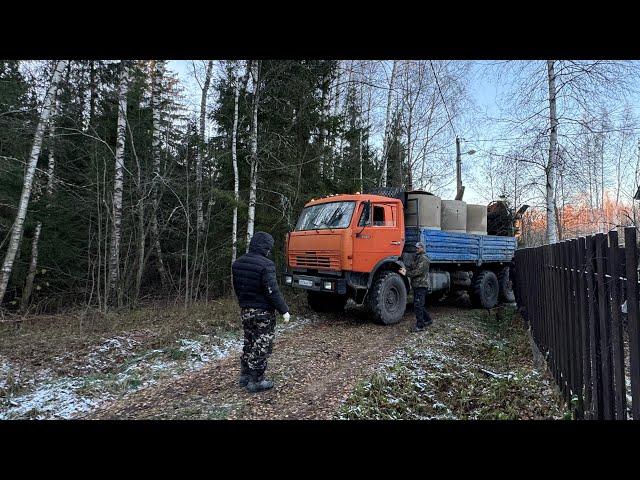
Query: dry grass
[(474, 365), (61, 344)]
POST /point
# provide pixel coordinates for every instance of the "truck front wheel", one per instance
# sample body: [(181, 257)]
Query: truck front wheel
[(326, 302), (484, 289), (388, 298)]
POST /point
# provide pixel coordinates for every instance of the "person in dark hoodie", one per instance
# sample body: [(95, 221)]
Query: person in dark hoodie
[(255, 285)]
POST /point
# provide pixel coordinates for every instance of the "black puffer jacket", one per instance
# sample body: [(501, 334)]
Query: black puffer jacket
[(254, 277)]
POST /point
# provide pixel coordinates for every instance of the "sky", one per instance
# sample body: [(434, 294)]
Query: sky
[(485, 92)]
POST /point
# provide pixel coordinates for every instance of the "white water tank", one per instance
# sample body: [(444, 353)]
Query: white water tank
[(423, 210), (476, 219), (454, 216)]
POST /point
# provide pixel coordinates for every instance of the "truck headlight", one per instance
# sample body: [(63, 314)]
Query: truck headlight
[(288, 279), (328, 285)]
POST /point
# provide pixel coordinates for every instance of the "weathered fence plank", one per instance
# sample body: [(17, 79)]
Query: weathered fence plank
[(631, 270), (571, 294), (584, 322), (617, 339)]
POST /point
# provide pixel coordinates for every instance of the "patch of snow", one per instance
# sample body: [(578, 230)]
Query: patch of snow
[(69, 397), (5, 369), (57, 399)]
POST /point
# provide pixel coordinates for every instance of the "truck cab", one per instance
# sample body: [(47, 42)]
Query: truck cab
[(341, 244)]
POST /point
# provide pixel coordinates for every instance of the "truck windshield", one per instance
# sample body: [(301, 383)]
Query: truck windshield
[(326, 215)]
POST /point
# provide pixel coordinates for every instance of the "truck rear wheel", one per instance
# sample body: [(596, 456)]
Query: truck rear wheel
[(326, 302), (388, 298), (484, 289), (505, 286)]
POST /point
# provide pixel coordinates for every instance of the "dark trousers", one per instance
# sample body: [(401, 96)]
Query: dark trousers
[(419, 306), (259, 331)]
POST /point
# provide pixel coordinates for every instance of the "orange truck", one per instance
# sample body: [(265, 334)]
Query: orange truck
[(354, 246)]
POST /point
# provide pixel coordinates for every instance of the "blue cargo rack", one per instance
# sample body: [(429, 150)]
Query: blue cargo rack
[(450, 247)]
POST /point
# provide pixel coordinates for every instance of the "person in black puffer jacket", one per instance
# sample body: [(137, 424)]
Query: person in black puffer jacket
[(255, 285)]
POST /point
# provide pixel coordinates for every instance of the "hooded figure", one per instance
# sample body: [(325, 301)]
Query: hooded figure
[(255, 285), (254, 277)]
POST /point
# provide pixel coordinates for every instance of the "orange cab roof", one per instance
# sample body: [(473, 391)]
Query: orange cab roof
[(353, 198)]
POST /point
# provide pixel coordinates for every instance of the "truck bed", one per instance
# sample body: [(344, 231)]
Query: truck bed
[(450, 247)]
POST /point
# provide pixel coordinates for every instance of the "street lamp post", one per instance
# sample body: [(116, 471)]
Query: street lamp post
[(459, 186)]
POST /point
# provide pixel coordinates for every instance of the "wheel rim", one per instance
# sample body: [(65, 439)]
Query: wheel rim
[(392, 299)]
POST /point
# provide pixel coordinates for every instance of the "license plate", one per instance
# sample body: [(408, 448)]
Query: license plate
[(305, 283)]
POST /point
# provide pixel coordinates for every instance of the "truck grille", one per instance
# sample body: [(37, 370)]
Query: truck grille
[(320, 260)]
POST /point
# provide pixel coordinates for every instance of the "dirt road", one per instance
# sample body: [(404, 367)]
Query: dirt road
[(314, 369)]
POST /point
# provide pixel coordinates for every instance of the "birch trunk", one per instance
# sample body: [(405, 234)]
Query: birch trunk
[(18, 224), (116, 231), (360, 158), (234, 159), (199, 203), (92, 93), (33, 265), (201, 148), (254, 155), (409, 179), (385, 140), (324, 132), (336, 109), (155, 105), (552, 228)]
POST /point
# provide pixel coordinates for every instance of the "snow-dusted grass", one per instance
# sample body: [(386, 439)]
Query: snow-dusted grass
[(82, 368), (467, 366), (68, 397)]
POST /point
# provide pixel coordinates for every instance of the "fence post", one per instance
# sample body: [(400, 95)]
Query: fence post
[(631, 264), (617, 340), (577, 328), (594, 332), (584, 323), (605, 327)]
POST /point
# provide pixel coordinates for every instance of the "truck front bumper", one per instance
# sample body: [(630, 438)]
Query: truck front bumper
[(316, 283)]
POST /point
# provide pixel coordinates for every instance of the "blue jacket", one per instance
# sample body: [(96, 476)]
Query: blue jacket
[(254, 277)]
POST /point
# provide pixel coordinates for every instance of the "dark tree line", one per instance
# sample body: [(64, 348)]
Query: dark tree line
[(313, 138)]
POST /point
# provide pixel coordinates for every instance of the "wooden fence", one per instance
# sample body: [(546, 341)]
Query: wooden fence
[(580, 298)]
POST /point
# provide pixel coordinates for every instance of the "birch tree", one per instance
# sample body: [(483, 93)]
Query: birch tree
[(33, 264), (116, 229), (18, 225), (201, 148), (234, 158), (253, 186), (553, 100), (552, 227), (387, 126)]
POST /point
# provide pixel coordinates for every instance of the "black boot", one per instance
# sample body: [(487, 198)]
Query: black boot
[(244, 375), (257, 383)]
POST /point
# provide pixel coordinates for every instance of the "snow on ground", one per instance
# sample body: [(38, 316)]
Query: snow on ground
[(47, 397)]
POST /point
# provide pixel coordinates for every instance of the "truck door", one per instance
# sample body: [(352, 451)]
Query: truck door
[(377, 238)]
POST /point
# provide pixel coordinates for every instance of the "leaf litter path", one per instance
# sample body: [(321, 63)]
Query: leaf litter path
[(314, 369)]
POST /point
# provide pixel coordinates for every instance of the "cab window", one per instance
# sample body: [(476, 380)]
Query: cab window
[(382, 216), (378, 216)]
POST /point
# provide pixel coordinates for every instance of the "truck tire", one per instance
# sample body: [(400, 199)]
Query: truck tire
[(506, 294), (326, 302), (484, 289), (388, 298)]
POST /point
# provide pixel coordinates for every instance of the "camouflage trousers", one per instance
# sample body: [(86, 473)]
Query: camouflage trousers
[(259, 332)]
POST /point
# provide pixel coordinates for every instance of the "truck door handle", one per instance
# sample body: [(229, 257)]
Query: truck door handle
[(395, 242)]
